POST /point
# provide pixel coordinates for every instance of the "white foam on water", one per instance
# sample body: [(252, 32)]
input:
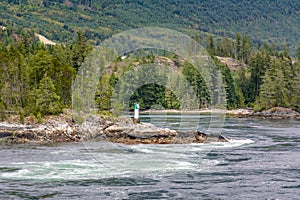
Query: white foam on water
[(59, 152), (235, 142), (230, 143), (74, 169), (135, 159), (19, 173), (140, 148), (70, 169)]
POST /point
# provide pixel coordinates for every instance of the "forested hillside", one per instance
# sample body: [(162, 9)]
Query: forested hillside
[(36, 78), (273, 21)]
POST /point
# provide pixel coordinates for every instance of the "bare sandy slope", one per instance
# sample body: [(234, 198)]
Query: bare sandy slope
[(44, 40), (3, 28)]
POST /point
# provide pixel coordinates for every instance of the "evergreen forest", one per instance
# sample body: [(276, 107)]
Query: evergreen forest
[(36, 79)]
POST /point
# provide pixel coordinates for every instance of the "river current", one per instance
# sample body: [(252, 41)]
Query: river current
[(261, 161)]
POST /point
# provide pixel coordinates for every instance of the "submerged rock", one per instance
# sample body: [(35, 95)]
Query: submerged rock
[(198, 137)]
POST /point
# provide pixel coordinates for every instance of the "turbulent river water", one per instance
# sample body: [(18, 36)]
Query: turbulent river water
[(261, 161)]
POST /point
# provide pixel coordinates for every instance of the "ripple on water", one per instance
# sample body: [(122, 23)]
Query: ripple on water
[(262, 161), (123, 161)]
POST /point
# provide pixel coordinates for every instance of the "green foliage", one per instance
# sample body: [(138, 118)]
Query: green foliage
[(2, 111), (226, 48), (269, 80), (80, 50), (272, 21), (170, 100), (45, 100), (246, 49), (148, 96), (24, 63), (196, 80), (298, 51), (258, 63), (104, 93), (35, 78), (22, 116), (296, 104), (211, 46), (235, 98), (277, 86), (39, 117)]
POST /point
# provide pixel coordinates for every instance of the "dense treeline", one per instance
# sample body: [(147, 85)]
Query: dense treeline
[(271, 78), (37, 79), (34, 78), (267, 77), (272, 21)]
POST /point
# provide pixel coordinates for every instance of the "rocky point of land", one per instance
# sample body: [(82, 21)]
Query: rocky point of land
[(120, 130), (272, 113), (278, 113)]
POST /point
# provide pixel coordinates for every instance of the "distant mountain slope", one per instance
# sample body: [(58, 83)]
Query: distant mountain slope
[(264, 20)]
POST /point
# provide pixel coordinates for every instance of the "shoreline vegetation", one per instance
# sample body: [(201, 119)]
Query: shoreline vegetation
[(61, 128), (36, 83), (37, 79)]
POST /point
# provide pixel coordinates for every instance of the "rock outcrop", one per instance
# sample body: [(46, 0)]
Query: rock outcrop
[(113, 130), (272, 113), (277, 113), (42, 133)]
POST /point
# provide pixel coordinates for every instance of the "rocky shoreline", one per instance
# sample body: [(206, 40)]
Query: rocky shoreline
[(273, 113), (61, 128), (121, 130)]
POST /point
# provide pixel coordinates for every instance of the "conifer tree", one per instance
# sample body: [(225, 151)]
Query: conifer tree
[(238, 46), (80, 50), (46, 100), (296, 104), (246, 49), (197, 82), (259, 62), (298, 51), (274, 90), (104, 93), (211, 46), (225, 48)]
